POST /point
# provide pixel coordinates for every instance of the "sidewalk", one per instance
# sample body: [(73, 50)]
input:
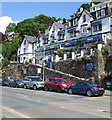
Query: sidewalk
[(108, 92)]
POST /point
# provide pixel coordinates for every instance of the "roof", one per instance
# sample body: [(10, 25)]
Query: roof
[(86, 12), (31, 39), (59, 25)]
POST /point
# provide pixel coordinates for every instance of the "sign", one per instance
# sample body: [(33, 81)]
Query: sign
[(89, 67)]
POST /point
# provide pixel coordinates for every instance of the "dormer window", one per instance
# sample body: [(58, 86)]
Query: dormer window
[(53, 28), (84, 18), (25, 42), (93, 8)]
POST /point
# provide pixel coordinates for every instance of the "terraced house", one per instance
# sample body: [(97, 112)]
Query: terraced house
[(81, 35)]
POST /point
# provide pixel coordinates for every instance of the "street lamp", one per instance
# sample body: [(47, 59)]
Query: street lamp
[(43, 61)]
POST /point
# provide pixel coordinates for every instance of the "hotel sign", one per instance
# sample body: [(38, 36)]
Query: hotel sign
[(89, 67)]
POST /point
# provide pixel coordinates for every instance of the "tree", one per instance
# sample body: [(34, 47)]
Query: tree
[(10, 28), (9, 49), (85, 6), (32, 26), (5, 62)]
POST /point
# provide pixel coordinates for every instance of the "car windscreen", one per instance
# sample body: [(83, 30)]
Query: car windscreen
[(35, 78), (20, 80), (61, 80)]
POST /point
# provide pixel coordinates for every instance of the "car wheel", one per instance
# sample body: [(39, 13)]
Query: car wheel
[(89, 93), (46, 88), (58, 89), (25, 86), (35, 87), (70, 91)]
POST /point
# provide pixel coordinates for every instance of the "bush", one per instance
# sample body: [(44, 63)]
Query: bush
[(60, 52)]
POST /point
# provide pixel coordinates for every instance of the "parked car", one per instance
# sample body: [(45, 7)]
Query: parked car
[(34, 82), (108, 84), (16, 83), (4, 82), (86, 88), (58, 84)]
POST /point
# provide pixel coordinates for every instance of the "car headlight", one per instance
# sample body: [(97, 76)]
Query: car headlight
[(64, 85)]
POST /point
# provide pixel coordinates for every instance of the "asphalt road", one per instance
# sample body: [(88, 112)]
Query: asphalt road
[(26, 103)]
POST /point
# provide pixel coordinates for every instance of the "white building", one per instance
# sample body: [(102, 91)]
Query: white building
[(26, 49), (101, 24)]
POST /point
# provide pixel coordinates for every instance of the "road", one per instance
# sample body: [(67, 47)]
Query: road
[(27, 103)]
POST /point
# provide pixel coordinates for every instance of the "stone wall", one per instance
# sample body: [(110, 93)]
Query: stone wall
[(20, 71), (76, 67), (72, 70)]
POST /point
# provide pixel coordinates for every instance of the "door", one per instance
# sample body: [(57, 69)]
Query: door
[(49, 83), (81, 88), (53, 85)]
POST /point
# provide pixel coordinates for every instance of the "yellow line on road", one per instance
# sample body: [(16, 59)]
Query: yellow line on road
[(18, 114)]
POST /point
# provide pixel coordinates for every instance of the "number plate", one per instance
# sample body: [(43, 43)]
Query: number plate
[(100, 88)]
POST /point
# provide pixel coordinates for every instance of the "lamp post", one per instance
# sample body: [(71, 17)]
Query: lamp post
[(43, 61)]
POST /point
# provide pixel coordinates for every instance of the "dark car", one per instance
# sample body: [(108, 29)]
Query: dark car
[(4, 82), (108, 84), (86, 88), (16, 83), (58, 84)]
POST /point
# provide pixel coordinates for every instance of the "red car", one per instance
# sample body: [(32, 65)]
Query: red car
[(58, 84)]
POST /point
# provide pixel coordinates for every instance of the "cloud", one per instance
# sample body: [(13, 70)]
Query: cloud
[(4, 22)]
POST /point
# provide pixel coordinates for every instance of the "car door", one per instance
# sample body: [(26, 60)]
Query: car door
[(49, 83), (27, 82), (30, 83), (53, 84), (81, 88)]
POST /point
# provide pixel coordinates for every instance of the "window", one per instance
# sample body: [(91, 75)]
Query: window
[(94, 28), (24, 50), (97, 28), (84, 18), (53, 28), (75, 21), (72, 34), (84, 29), (33, 46), (25, 42), (93, 8), (100, 27), (50, 80), (102, 12), (99, 13)]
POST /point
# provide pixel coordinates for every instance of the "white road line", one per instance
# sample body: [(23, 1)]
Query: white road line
[(26, 98), (21, 115), (85, 112)]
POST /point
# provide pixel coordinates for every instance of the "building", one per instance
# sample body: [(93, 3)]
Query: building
[(82, 35), (26, 49)]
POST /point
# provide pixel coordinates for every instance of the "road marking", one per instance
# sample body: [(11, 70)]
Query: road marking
[(16, 113), (27, 98), (21, 95), (84, 112)]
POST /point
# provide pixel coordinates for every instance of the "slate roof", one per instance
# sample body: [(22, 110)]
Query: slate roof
[(31, 39)]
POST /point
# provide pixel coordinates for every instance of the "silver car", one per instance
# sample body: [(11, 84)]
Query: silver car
[(34, 82)]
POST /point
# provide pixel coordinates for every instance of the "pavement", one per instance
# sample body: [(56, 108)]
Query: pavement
[(108, 92)]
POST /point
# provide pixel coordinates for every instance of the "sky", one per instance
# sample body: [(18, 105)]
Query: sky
[(20, 11)]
